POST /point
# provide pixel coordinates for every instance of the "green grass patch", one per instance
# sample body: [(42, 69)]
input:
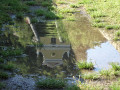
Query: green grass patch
[(2, 86), (85, 65), (51, 83), (62, 2), (7, 66), (74, 6), (117, 38), (115, 66), (3, 75), (73, 87), (117, 33), (97, 15), (31, 3), (91, 76), (1, 60), (116, 27), (106, 73), (99, 25), (46, 3), (115, 86), (66, 10), (11, 52)]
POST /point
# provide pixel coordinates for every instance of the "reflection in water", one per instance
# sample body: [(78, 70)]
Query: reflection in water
[(103, 55)]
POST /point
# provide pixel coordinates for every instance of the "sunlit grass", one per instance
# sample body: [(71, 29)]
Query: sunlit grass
[(85, 65), (91, 76), (51, 83)]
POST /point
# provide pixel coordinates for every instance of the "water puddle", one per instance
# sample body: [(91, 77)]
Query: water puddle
[(53, 46)]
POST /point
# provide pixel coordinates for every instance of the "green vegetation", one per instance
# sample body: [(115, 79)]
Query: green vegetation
[(74, 6), (51, 83), (31, 3), (85, 65), (115, 66), (7, 67), (116, 27), (1, 60), (106, 73), (73, 87), (3, 75), (11, 52), (115, 86), (1, 85), (61, 2), (99, 25), (46, 3), (91, 76), (47, 14)]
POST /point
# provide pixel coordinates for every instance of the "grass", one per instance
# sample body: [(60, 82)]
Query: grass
[(47, 14), (74, 6), (99, 25), (46, 3), (61, 2), (3, 75), (117, 33), (66, 10), (1, 60), (116, 27), (115, 86), (91, 76), (11, 52), (73, 87), (106, 73), (7, 67), (71, 18), (85, 65), (51, 83), (1, 86), (115, 66), (31, 3)]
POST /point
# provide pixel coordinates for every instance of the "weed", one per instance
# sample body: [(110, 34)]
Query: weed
[(67, 10), (39, 12), (7, 67), (3, 75), (19, 16), (34, 20), (46, 3), (85, 65), (50, 83), (10, 52), (74, 6), (106, 73), (116, 27), (117, 33), (1, 85), (115, 86), (61, 2), (117, 38), (97, 15), (97, 20), (92, 76), (73, 87), (1, 60), (71, 18), (31, 3), (115, 66), (99, 25)]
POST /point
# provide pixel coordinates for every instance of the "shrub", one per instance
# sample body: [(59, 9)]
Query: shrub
[(74, 6), (73, 87), (7, 67), (99, 25), (1, 60), (51, 83), (106, 73), (116, 27), (85, 65)]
